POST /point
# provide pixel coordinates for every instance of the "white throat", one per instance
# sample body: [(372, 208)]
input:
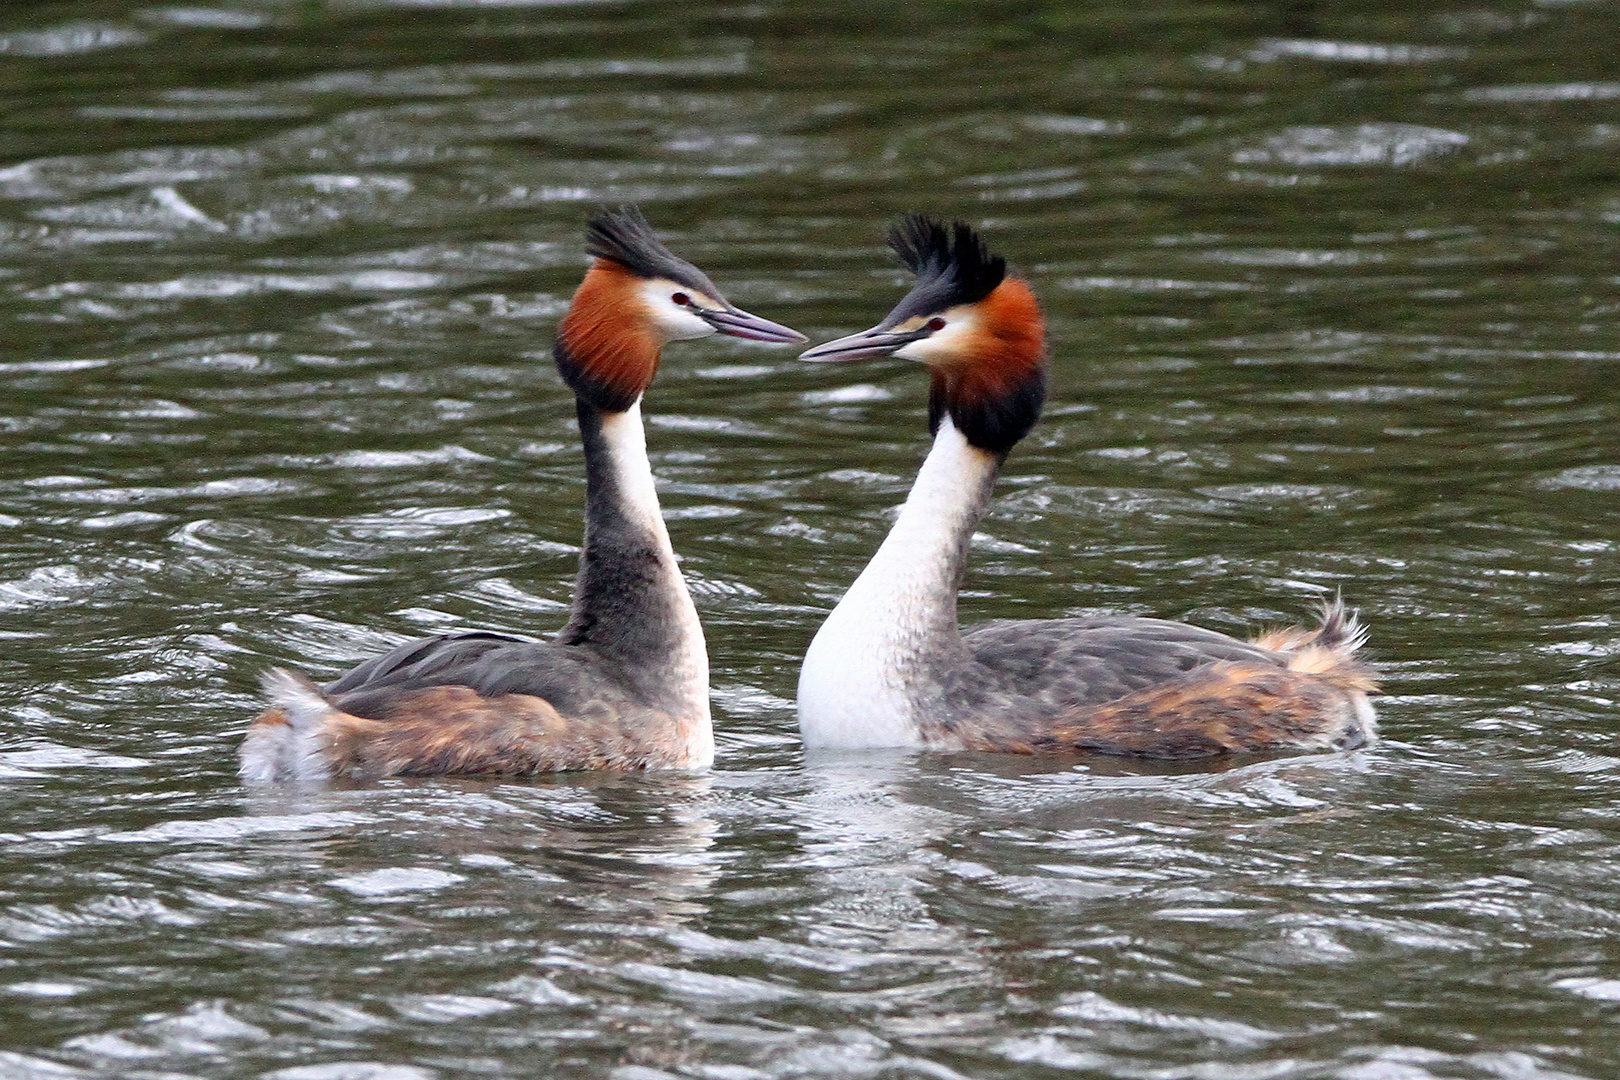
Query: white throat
[(869, 670), (626, 437), (689, 661)]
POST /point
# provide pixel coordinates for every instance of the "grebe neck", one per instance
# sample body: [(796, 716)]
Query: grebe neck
[(878, 661), (631, 603)]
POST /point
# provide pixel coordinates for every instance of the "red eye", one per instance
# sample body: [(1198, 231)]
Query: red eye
[(682, 299), (935, 324)]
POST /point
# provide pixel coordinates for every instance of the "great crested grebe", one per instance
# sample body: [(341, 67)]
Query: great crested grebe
[(890, 668), (625, 684)]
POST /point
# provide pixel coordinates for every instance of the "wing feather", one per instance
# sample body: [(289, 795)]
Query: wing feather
[(1093, 661)]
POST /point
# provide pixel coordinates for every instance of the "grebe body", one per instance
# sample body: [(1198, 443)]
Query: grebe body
[(625, 684), (890, 666)]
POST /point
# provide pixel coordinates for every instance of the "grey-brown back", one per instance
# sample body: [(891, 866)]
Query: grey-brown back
[(571, 677), (1091, 661)]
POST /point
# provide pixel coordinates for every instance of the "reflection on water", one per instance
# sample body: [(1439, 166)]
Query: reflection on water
[(1333, 300)]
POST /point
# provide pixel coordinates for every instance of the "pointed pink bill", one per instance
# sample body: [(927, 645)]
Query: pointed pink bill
[(740, 324), (862, 346)]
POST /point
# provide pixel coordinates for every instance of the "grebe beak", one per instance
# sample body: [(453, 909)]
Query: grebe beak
[(740, 324), (865, 345)]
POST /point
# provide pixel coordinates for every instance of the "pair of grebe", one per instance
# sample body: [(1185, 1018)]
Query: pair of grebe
[(624, 684)]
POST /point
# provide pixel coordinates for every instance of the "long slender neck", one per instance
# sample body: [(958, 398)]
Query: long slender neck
[(876, 662), (920, 564), (630, 602)]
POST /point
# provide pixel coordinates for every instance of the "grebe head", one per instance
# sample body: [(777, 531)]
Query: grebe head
[(636, 298), (979, 331)]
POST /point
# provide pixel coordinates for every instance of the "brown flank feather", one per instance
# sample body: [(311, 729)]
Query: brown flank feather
[(454, 730), (1227, 708)]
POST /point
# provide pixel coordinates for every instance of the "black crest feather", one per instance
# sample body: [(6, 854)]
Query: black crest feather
[(623, 236), (951, 263)]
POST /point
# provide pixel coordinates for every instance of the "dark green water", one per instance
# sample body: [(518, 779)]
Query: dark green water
[(1335, 304)]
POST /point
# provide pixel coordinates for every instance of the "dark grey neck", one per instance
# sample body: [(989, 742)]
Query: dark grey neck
[(630, 601)]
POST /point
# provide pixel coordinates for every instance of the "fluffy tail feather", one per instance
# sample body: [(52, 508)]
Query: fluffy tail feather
[(1341, 628), (1328, 649), (284, 745), (298, 698)]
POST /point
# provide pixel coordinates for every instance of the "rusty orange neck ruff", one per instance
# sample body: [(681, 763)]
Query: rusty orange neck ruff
[(606, 349), (994, 393)]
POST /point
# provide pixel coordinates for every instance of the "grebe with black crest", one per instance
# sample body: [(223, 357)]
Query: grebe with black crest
[(625, 684), (890, 666)]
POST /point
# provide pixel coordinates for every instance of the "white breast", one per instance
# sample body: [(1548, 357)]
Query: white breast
[(850, 694), (864, 677)]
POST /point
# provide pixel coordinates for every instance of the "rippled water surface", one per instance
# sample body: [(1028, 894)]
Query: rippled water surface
[(1335, 302)]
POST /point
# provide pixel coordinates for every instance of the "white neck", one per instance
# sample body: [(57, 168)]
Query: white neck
[(873, 663), (626, 438), (658, 630)]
